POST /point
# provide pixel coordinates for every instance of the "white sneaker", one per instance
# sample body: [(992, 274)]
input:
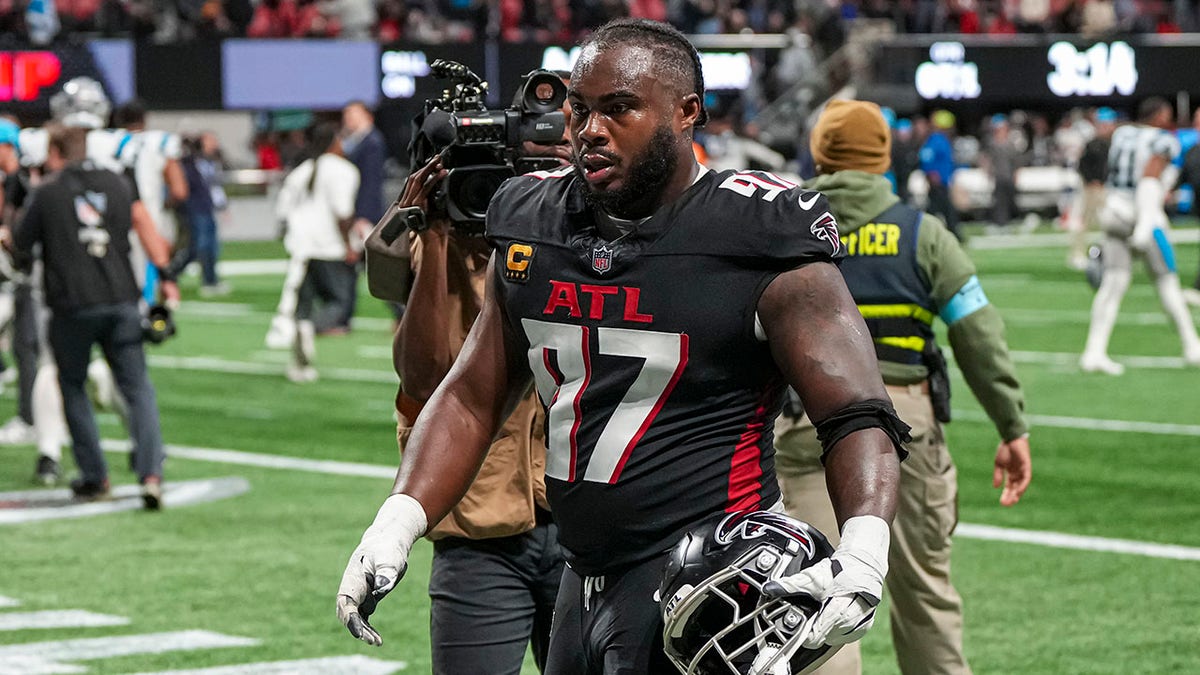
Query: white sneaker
[(282, 333), (1079, 263), (1192, 297), (1100, 363), (301, 374), (1191, 356), (17, 432)]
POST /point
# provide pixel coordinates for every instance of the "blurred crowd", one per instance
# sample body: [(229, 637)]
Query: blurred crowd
[(563, 21), (1003, 17)]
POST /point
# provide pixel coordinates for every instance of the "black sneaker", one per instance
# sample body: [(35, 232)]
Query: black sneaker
[(90, 492), (47, 471)]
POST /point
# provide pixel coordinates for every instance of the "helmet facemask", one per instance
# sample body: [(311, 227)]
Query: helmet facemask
[(723, 625)]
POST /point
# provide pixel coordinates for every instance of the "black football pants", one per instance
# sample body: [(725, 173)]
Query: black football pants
[(490, 599), (610, 625)]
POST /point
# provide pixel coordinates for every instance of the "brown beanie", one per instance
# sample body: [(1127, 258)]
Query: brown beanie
[(851, 135)]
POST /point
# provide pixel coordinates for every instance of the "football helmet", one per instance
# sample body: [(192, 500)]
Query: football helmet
[(715, 617), (81, 103)]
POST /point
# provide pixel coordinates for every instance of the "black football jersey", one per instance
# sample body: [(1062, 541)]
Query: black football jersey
[(660, 397)]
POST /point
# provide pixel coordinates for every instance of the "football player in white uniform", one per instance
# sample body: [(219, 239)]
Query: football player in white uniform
[(1134, 222)]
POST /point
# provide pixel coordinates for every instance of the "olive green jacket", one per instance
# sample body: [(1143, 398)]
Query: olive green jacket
[(976, 339)]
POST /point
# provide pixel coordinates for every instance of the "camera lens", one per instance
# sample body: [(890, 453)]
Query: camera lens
[(475, 192)]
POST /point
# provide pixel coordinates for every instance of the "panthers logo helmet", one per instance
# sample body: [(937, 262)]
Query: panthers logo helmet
[(715, 618)]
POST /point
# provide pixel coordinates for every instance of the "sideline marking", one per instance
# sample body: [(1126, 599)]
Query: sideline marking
[(48, 658), (970, 530), (220, 365), (1076, 542), (341, 665), (9, 602), (30, 506), (267, 461), (1091, 424), (58, 618), (1072, 359), (1007, 241)]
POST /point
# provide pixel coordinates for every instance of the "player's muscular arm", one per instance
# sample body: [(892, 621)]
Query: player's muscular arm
[(456, 427), (1155, 166), (177, 188), (421, 350), (822, 346)]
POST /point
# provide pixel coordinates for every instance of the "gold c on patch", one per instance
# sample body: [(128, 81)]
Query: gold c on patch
[(517, 261)]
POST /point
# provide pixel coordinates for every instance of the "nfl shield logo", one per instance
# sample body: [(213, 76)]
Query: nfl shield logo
[(602, 259)]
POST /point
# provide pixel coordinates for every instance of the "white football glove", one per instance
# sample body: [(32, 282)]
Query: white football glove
[(849, 584), (1148, 200), (378, 563)]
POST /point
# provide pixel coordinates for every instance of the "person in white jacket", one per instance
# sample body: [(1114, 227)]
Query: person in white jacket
[(317, 204)]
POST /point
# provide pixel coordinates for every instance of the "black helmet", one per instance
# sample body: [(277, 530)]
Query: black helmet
[(715, 617)]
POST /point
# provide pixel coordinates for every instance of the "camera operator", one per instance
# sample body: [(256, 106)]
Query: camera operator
[(82, 217), (496, 561)]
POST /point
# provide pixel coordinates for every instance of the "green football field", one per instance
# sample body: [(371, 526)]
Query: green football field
[(251, 578)]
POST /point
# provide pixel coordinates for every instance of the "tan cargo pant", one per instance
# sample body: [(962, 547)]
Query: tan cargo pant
[(926, 610)]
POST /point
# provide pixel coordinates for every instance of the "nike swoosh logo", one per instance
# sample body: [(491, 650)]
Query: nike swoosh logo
[(807, 204)]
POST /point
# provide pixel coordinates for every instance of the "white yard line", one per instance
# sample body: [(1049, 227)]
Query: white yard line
[(1008, 241), (1071, 360), (37, 505), (966, 530), (1076, 542), (58, 618), (6, 601), (1093, 424), (226, 312), (243, 268), (46, 658), (335, 665), (266, 461), (216, 364)]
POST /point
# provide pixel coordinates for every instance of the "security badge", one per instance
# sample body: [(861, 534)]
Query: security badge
[(517, 261)]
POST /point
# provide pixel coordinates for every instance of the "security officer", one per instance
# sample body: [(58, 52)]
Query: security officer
[(81, 216), (904, 268)]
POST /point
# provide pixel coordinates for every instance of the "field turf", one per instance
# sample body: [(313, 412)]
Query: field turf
[(265, 564)]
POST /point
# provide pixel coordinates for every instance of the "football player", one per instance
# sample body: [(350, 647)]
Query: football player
[(1134, 223), (659, 309), (83, 103)]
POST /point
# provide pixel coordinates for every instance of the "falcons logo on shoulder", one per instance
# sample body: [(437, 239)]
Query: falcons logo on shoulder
[(825, 229)]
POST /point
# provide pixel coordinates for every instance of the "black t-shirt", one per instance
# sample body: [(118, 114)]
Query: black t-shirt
[(1093, 163), (660, 398), (82, 218)]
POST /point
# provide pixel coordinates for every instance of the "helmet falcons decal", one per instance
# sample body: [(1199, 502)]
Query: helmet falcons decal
[(762, 522), (825, 228), (715, 618)]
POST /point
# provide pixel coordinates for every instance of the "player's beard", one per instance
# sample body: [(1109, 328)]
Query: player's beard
[(644, 182)]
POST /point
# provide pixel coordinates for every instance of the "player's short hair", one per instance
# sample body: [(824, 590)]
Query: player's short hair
[(69, 142), (130, 114), (671, 48), (1151, 107)]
